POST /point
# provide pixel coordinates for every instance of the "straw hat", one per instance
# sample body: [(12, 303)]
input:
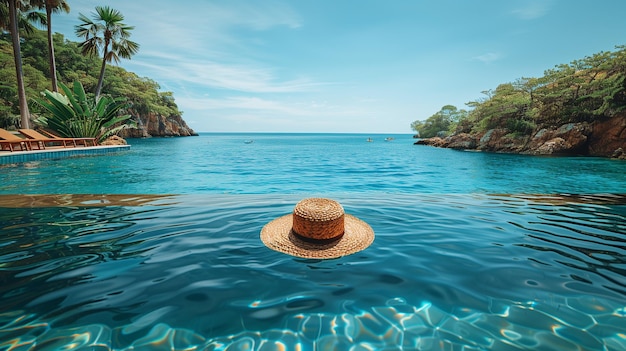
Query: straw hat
[(317, 228)]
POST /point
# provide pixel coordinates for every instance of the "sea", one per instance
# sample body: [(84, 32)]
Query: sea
[(158, 248), (310, 164)]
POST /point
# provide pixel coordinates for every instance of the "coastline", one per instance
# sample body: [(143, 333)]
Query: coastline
[(605, 138)]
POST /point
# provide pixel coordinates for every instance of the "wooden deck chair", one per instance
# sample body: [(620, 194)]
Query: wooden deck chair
[(33, 134), (12, 142), (77, 141)]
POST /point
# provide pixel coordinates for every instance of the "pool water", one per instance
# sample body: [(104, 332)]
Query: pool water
[(94, 266)]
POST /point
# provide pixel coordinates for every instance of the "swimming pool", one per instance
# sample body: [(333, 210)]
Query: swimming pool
[(471, 271)]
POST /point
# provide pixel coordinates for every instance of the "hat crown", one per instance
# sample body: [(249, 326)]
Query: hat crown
[(318, 219)]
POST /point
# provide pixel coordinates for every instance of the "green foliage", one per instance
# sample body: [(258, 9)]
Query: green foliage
[(76, 115), (9, 105), (506, 106), (106, 35), (441, 123), (520, 126), (142, 94), (27, 17), (583, 90)]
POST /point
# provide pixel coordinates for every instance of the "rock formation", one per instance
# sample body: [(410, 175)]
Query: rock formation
[(603, 138), (114, 140), (158, 125)]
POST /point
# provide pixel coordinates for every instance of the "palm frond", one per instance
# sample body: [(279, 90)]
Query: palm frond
[(77, 115)]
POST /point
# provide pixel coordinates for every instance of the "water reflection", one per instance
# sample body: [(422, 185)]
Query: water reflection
[(474, 271)]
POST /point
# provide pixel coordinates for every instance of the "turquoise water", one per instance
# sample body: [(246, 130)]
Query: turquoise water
[(309, 163), (473, 251)]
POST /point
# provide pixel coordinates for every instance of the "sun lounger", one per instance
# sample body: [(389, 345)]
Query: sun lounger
[(12, 142), (77, 141), (33, 134)]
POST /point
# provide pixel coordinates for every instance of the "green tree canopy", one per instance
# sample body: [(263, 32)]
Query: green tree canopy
[(583, 90), (441, 123), (143, 93)]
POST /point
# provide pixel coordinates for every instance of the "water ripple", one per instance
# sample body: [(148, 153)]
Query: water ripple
[(527, 270)]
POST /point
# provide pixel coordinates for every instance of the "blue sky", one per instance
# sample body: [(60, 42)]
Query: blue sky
[(365, 66)]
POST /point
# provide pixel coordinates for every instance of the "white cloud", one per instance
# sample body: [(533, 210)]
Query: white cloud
[(206, 25), (215, 75), (203, 45), (488, 57), (244, 103), (254, 103), (258, 114)]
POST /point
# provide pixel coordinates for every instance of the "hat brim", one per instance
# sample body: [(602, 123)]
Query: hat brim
[(278, 236)]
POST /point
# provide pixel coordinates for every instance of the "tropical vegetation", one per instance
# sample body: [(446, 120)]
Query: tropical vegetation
[(11, 20), (30, 72), (593, 88), (106, 33), (73, 114), (441, 123), (50, 7)]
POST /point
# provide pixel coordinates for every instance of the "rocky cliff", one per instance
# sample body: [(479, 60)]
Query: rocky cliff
[(158, 125), (603, 138)]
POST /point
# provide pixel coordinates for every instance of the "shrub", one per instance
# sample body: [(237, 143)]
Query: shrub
[(74, 115)]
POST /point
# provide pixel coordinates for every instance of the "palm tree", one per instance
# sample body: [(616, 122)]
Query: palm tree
[(107, 34), (25, 16), (14, 6), (51, 6)]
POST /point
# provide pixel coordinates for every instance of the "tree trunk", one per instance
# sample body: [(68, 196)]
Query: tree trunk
[(17, 56), (104, 65), (52, 61)]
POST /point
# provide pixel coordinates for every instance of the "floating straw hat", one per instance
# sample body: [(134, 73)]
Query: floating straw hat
[(317, 228)]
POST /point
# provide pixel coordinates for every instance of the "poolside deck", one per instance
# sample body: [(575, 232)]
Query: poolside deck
[(58, 152)]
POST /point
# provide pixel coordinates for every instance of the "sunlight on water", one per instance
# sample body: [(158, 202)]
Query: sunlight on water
[(395, 324)]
